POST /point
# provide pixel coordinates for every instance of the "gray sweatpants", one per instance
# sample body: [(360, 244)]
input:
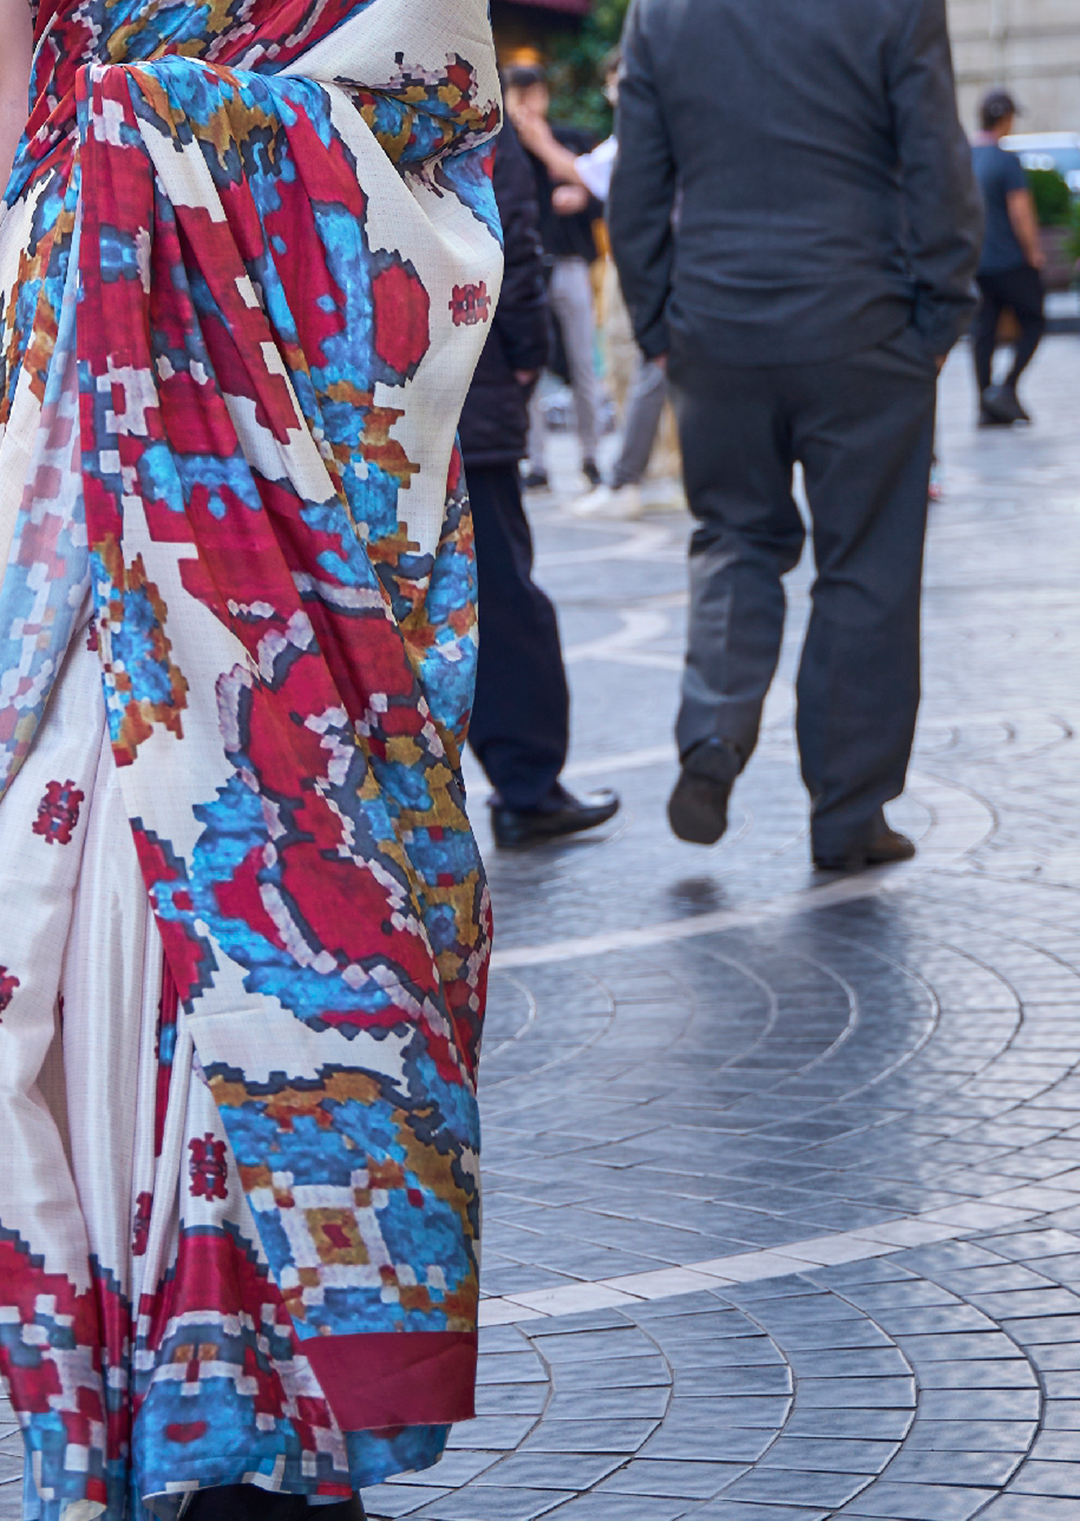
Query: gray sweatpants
[(863, 428), (644, 406), (571, 296)]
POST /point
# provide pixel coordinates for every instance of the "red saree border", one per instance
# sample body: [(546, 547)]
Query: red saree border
[(379, 1379)]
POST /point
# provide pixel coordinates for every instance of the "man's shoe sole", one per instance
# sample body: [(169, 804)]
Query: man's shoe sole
[(697, 810), (856, 860)]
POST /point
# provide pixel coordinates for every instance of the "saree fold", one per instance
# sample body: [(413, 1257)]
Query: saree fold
[(248, 253)]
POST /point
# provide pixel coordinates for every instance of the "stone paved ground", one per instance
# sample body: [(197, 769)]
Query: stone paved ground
[(783, 1177)]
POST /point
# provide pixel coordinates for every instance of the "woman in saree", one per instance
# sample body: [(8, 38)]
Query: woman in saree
[(248, 249)]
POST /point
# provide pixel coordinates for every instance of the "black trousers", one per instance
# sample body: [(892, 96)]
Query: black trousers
[(521, 718), (863, 429), (1017, 290)]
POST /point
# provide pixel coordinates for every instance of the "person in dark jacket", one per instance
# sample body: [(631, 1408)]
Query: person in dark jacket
[(521, 715), (796, 226)]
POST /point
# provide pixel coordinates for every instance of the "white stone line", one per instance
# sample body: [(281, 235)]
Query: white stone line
[(948, 1224), (966, 824)]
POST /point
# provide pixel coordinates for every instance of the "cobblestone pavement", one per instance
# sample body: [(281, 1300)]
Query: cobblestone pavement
[(783, 1176)]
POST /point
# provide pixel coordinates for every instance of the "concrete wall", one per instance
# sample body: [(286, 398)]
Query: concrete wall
[(1030, 46)]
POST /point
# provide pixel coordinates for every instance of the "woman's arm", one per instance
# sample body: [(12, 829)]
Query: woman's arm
[(16, 50)]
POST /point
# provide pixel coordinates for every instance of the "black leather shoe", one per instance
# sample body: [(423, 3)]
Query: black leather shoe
[(988, 420), (591, 471), (1000, 404), (535, 480), (885, 847), (1021, 412), (518, 828), (697, 810)]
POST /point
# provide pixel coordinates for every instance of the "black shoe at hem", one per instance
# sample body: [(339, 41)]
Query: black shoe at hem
[(591, 471), (535, 480), (885, 848), (697, 809), (518, 828), (1001, 405)]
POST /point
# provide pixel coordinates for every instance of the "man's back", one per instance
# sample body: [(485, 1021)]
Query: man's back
[(816, 148), (999, 174)]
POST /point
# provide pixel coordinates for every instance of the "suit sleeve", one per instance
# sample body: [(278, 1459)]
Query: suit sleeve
[(642, 200), (943, 208), (521, 318)]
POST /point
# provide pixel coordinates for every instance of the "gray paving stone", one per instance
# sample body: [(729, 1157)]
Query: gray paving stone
[(829, 1454), (620, 1435), (1014, 1507), (456, 1468), (1049, 1478), (550, 1470), (803, 1072), (997, 1373), (609, 1507), (791, 1486), (486, 1503), (672, 1477), (954, 1467), (885, 1501), (971, 1436), (887, 1393), (598, 1404), (387, 1502), (743, 1510)]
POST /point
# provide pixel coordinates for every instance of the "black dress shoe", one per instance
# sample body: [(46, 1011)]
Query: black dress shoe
[(988, 420), (886, 846), (1022, 414), (517, 828), (535, 480), (697, 810), (1000, 403)]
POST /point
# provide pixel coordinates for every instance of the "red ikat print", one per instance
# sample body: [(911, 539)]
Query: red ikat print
[(58, 813)]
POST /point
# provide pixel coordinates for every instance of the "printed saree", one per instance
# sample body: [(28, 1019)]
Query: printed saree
[(246, 257)]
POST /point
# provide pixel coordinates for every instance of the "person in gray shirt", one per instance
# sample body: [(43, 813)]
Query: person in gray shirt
[(796, 227)]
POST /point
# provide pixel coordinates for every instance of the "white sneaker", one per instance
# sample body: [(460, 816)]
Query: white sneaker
[(609, 502)]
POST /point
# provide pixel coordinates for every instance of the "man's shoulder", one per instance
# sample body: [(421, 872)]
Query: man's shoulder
[(995, 163), (880, 19)]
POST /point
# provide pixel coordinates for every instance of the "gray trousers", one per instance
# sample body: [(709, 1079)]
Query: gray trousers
[(571, 296), (863, 429), (644, 405)]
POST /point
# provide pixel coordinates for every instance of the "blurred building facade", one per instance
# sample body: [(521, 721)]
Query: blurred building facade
[(1032, 47)]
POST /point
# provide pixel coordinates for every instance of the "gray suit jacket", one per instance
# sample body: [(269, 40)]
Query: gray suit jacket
[(793, 183)]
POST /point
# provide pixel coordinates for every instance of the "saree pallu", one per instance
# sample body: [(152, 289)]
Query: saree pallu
[(247, 256)]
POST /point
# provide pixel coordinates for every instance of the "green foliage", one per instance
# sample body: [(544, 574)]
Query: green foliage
[(577, 62), (1072, 242), (1053, 199)]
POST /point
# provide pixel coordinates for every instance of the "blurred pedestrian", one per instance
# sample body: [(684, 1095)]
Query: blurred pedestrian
[(1012, 256), (567, 214), (647, 390), (521, 713), (819, 270)]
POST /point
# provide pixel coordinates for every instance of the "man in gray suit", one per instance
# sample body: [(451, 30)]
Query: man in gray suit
[(796, 227)]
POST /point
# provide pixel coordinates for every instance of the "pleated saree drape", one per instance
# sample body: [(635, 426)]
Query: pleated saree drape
[(247, 256)]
